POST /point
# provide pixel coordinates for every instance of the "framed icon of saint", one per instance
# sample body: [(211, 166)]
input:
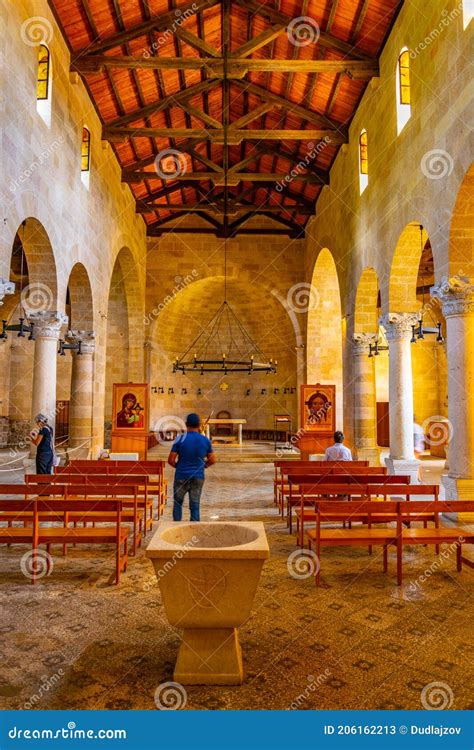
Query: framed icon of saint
[(130, 407), (318, 413)]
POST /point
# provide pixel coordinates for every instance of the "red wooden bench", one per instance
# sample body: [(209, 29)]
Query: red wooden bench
[(39, 509)]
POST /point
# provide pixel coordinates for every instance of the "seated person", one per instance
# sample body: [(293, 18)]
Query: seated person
[(338, 451)]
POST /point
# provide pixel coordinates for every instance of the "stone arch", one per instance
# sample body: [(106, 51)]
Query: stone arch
[(404, 269), (366, 302), (181, 318), (42, 293), (81, 302), (461, 238), (324, 328)]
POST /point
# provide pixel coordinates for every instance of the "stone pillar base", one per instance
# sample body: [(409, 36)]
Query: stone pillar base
[(372, 455), (457, 488), (409, 466), (209, 656)]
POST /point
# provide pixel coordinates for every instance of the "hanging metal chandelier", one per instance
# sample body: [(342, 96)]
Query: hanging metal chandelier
[(419, 331), (224, 346)]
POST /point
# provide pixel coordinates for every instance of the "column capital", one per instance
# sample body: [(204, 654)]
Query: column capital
[(47, 323), (6, 287), (456, 295), (362, 341), (398, 325), (87, 339)]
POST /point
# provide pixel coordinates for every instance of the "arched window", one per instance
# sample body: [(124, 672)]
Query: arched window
[(85, 150), (42, 85), (85, 156), (363, 161), (403, 89)]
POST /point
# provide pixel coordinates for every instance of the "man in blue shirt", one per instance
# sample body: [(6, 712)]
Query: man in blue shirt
[(191, 453)]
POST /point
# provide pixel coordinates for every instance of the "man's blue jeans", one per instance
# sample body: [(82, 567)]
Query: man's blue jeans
[(181, 487)]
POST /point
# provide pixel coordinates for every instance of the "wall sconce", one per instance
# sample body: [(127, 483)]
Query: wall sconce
[(170, 391), (285, 391), (157, 389), (263, 392), (275, 391), (199, 392), (184, 391), (292, 390), (247, 392)]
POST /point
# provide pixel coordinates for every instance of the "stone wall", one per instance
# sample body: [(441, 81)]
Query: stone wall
[(407, 182), (41, 178)]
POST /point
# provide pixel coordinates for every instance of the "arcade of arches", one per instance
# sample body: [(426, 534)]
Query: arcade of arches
[(385, 233)]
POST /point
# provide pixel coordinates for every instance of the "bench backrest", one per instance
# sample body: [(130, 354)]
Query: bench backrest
[(311, 479), (301, 462), (405, 490), (65, 490), (347, 510), (106, 480), (323, 471)]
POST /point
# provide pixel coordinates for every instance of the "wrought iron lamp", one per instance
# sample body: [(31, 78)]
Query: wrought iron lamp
[(224, 346), (419, 331)]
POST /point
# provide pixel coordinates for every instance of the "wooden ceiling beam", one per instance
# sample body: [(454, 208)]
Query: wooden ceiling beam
[(199, 113), (218, 179), (237, 67), (294, 159), (153, 231), (296, 109), (160, 105), (233, 208), (217, 136), (166, 22), (196, 42), (325, 39), (259, 41)]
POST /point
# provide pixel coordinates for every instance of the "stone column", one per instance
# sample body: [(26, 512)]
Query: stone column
[(365, 408), (47, 327), (6, 287), (457, 299), (398, 331), (82, 393)]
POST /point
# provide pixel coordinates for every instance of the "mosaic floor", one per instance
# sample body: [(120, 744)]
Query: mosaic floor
[(75, 641)]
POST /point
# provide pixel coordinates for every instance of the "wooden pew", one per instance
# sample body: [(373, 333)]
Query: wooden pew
[(321, 469), (416, 510), (138, 511), (369, 492), (405, 512), (54, 489), (38, 507), (153, 469), (307, 490), (302, 464)]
